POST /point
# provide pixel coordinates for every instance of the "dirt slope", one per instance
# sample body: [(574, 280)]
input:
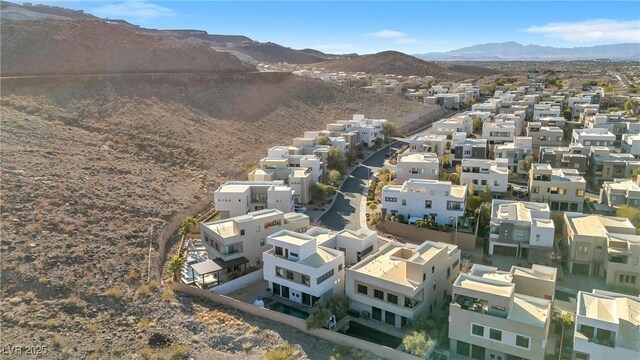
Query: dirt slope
[(393, 62), (94, 167), (87, 47)]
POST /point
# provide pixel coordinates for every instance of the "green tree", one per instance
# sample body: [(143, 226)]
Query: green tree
[(445, 161), (320, 192), (528, 161), (473, 202), (434, 149), (484, 217), (187, 224), (631, 213), (486, 194), (323, 140), (471, 189), (322, 311), (175, 266), (635, 173), (334, 176), (477, 125), (568, 114), (418, 344), (336, 160), (567, 132), (631, 106), (388, 129)]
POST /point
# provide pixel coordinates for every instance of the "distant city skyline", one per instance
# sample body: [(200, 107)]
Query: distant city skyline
[(369, 27)]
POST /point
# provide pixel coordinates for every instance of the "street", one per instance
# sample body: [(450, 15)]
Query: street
[(345, 210)]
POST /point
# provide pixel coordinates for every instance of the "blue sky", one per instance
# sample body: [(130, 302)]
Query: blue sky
[(368, 27)]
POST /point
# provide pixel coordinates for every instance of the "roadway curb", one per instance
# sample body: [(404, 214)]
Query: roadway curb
[(333, 200)]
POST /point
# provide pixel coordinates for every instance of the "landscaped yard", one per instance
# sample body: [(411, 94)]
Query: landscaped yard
[(372, 335)]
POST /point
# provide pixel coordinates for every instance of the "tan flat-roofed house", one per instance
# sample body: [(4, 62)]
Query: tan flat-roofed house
[(398, 283), (501, 315)]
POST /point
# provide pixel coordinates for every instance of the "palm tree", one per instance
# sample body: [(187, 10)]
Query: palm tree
[(187, 224), (175, 266)]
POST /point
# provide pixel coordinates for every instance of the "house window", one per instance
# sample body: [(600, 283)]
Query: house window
[(324, 277), (427, 204), (535, 189), (362, 289), (580, 192), (289, 275), (306, 280), (495, 334), (522, 341), (376, 314), (433, 269), (392, 298), (378, 294), (446, 193), (390, 318), (477, 330), (291, 254), (241, 232), (628, 279), (262, 242), (404, 201), (279, 272), (462, 348), (562, 191), (583, 249), (278, 251), (391, 199), (258, 228), (496, 182)]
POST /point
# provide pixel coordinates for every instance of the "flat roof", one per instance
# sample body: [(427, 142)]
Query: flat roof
[(482, 284), (291, 237), (419, 158), (528, 310), (596, 225), (319, 258)]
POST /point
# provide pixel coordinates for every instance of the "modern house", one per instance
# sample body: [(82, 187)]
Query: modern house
[(235, 198), (466, 148), (607, 326), (355, 244), (484, 172), (518, 228), (564, 157), (562, 189), (417, 166), (619, 192), (614, 122), (241, 240), (397, 283), (543, 135), (545, 109), (428, 143), (604, 246), (448, 126), (605, 165), (515, 152), (592, 137), (300, 270), (499, 132), (631, 145), (501, 315), (420, 199)]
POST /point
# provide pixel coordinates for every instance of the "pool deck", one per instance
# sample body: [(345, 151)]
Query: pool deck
[(251, 292)]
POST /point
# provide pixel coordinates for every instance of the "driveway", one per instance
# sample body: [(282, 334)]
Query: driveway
[(345, 210)]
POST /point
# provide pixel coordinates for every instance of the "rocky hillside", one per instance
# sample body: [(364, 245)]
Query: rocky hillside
[(393, 62), (88, 47), (96, 166)]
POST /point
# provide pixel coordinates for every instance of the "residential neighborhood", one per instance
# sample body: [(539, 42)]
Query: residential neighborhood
[(485, 215)]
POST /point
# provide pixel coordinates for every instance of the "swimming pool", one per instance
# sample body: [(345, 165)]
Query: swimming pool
[(286, 309)]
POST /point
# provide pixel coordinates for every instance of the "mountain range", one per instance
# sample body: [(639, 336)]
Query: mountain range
[(513, 51)]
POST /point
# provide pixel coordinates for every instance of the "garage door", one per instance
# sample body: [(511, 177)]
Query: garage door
[(580, 269), (504, 250)]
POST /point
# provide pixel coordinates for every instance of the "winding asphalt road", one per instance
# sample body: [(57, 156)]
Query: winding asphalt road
[(345, 209)]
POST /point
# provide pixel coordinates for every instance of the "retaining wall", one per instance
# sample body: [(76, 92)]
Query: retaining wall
[(296, 323), (238, 283), (418, 235)]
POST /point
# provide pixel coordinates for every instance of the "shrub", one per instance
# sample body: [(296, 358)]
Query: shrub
[(322, 311), (132, 276), (178, 351), (418, 344), (283, 352), (167, 294), (115, 292)]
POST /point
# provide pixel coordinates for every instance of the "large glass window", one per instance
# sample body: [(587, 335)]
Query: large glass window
[(477, 330), (495, 334), (362, 289), (522, 341), (378, 294), (390, 318), (462, 348), (376, 314), (392, 298)]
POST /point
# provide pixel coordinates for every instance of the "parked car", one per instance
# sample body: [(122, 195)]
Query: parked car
[(300, 209)]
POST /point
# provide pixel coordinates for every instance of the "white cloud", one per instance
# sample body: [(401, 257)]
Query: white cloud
[(137, 11), (591, 30), (334, 47), (397, 36)]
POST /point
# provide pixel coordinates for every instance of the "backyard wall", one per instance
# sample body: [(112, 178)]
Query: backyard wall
[(238, 283), (294, 322), (418, 235)]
